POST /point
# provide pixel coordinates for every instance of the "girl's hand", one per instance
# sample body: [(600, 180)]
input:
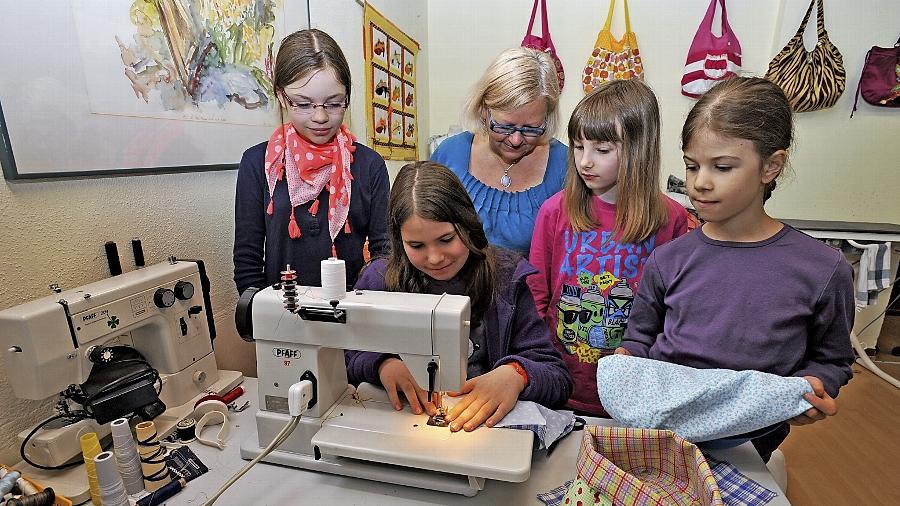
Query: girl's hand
[(395, 377), (621, 351), (823, 404), (487, 397)]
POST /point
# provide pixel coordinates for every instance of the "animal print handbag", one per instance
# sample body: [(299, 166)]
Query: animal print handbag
[(811, 80)]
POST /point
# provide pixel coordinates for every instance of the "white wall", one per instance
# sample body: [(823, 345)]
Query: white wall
[(843, 169), (54, 230)]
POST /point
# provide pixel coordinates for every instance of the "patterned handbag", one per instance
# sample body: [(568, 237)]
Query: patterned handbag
[(813, 80), (544, 42), (711, 59), (613, 59)]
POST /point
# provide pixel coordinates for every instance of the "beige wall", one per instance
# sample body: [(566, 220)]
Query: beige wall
[(54, 230), (844, 169)]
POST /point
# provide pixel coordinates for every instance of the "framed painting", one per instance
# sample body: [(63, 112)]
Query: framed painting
[(135, 86)]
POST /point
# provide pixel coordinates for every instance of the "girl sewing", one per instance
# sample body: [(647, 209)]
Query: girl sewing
[(746, 291), (591, 239), (439, 246)]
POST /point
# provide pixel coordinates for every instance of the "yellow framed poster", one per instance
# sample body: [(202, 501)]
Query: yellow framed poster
[(391, 94)]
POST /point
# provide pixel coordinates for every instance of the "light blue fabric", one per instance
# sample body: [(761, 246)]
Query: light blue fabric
[(508, 217), (547, 424), (697, 404)]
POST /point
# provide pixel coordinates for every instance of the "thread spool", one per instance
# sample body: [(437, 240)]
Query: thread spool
[(138, 251), (158, 497), (112, 257), (8, 482), (153, 458), (334, 279), (112, 489), (127, 456), (26, 487), (184, 429), (45, 498), (90, 448)]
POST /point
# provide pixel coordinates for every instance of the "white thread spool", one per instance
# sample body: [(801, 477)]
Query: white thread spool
[(334, 279), (112, 490), (127, 456)]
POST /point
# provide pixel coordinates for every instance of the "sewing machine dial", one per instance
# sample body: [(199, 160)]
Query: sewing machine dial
[(164, 298)]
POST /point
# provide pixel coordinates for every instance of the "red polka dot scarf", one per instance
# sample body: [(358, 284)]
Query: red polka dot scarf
[(309, 168)]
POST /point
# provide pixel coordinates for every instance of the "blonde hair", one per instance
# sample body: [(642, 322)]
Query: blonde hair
[(517, 77), (624, 112)]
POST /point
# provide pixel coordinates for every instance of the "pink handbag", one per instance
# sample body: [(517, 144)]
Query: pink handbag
[(879, 82), (544, 42), (711, 59)]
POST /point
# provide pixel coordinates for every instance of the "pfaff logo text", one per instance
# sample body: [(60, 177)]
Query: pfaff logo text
[(285, 353)]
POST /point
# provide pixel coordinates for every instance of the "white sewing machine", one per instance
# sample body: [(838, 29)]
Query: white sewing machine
[(357, 432), (53, 344)]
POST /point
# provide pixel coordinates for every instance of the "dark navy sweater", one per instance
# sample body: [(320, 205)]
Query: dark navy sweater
[(262, 246)]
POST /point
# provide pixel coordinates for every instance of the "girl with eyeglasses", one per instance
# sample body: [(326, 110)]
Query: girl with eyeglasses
[(311, 191), (439, 246), (510, 163), (591, 240)]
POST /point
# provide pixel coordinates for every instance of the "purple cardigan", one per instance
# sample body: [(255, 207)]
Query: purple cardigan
[(513, 332)]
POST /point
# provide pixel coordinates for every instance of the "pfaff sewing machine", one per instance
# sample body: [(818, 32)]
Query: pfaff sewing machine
[(357, 432), (140, 343)]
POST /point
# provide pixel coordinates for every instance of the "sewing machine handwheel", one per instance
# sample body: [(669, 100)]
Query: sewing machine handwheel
[(243, 315)]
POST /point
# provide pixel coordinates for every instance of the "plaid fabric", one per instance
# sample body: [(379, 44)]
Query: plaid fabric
[(737, 489), (555, 497), (874, 273), (643, 467)]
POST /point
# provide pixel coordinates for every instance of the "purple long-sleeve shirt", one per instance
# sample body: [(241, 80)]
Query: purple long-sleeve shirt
[(783, 306), (512, 331)]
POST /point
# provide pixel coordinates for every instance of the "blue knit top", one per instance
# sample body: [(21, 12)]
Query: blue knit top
[(508, 217)]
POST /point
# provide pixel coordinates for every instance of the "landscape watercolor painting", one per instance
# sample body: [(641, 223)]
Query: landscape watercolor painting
[(203, 60)]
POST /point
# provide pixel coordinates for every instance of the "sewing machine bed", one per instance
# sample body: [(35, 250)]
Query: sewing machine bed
[(368, 428)]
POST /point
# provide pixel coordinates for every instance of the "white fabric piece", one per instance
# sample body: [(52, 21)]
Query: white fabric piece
[(547, 424), (697, 404)]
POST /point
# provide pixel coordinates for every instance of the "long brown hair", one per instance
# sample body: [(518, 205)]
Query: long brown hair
[(750, 108), (431, 191), (624, 112)]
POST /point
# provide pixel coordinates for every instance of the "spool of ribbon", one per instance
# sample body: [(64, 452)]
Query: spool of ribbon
[(90, 448), (112, 489), (127, 456), (153, 456)]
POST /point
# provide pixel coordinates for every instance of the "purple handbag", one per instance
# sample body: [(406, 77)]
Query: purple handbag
[(544, 42), (879, 82)]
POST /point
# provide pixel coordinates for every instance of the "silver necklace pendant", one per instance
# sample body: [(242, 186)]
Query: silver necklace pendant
[(505, 180)]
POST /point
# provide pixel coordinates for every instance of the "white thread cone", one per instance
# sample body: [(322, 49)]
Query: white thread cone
[(127, 456), (112, 490)]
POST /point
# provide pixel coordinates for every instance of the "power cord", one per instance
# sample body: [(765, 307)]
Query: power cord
[(299, 396)]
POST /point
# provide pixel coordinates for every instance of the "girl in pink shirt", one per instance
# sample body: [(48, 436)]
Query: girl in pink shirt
[(591, 240)]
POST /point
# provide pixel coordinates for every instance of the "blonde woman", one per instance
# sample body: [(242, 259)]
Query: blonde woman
[(509, 162)]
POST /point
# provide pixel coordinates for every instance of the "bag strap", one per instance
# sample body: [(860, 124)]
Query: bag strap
[(545, 28), (806, 20), (533, 13), (710, 15), (820, 23), (859, 83), (609, 16)]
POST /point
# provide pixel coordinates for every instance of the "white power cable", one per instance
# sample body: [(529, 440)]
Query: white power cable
[(298, 402)]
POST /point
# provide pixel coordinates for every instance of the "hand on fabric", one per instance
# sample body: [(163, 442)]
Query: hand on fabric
[(622, 351), (487, 399), (395, 377), (823, 404)]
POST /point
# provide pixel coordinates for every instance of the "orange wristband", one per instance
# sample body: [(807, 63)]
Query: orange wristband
[(519, 369)]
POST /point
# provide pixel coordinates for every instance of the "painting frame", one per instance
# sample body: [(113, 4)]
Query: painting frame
[(47, 130), (392, 125)]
